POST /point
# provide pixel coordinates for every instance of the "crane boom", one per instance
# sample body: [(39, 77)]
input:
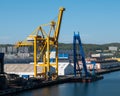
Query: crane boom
[(56, 35)]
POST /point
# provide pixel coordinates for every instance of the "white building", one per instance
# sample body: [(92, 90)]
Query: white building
[(9, 49), (65, 68), (3, 49), (28, 69), (98, 55), (113, 48), (97, 66)]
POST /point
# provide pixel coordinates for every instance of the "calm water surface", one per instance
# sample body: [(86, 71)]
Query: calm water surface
[(109, 86)]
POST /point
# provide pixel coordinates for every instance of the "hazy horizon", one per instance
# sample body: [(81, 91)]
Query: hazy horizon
[(70, 43)]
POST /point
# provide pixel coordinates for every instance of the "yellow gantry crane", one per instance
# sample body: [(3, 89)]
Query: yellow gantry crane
[(44, 42)]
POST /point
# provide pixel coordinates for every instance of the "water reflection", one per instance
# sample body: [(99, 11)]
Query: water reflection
[(109, 86), (48, 91)]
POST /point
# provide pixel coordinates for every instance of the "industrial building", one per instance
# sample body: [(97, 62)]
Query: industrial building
[(64, 68), (113, 48)]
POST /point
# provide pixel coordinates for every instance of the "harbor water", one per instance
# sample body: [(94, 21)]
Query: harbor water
[(109, 86)]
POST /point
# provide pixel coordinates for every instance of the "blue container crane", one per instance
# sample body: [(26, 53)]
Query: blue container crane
[(75, 38)]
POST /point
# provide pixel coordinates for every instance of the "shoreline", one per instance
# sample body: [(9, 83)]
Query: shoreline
[(65, 79)]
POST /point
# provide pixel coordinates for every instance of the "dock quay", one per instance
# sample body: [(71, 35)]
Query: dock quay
[(105, 71), (13, 89), (61, 80)]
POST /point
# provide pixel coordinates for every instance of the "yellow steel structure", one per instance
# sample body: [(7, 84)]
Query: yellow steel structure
[(118, 59), (44, 43)]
